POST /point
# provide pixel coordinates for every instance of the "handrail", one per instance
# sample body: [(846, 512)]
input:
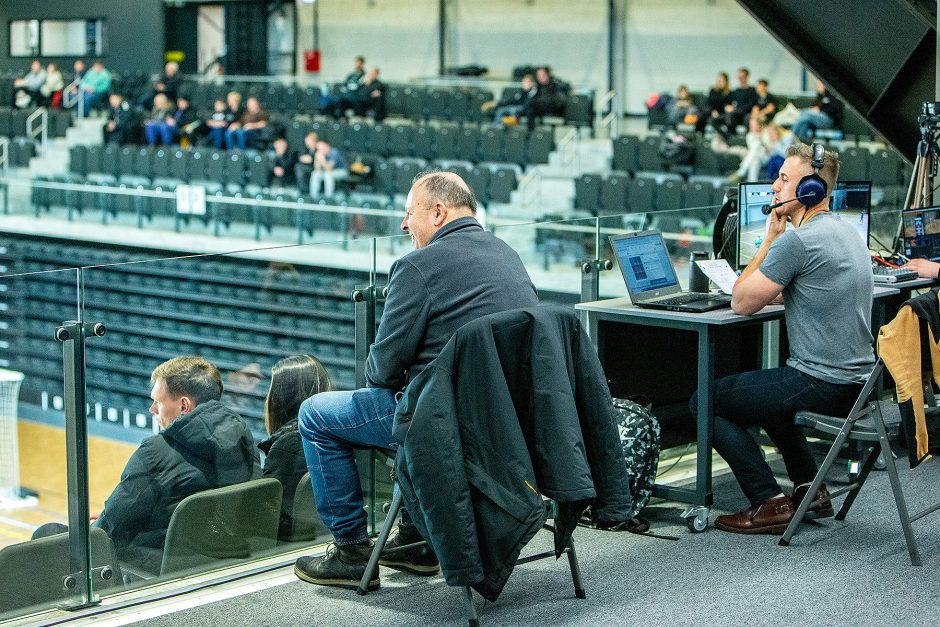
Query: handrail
[(5, 156), (532, 179), (611, 120), (569, 147), (42, 130), (72, 95)]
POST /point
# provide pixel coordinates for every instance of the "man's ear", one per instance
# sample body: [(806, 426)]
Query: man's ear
[(439, 213), (186, 405)]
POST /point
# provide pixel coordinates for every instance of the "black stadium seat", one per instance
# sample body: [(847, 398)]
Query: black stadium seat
[(587, 192)]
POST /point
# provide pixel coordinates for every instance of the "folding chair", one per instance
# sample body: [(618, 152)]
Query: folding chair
[(472, 619), (866, 422)]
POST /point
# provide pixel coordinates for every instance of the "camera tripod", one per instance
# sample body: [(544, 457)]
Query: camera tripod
[(921, 188)]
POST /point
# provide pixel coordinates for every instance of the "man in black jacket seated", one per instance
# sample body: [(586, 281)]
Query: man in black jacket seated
[(202, 445), (457, 273)]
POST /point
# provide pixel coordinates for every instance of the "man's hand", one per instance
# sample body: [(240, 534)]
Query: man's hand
[(776, 224), (924, 268)]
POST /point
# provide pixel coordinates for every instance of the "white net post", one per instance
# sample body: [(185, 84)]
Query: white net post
[(9, 445)]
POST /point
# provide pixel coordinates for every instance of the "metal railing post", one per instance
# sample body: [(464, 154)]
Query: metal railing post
[(72, 334)]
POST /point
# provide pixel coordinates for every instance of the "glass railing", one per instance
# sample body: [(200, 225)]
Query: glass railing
[(37, 293), (244, 312)]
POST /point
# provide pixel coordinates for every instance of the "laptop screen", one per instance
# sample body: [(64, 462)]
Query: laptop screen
[(645, 263), (851, 200), (921, 233)]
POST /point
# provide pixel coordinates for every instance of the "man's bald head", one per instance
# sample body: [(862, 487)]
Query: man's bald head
[(446, 188)]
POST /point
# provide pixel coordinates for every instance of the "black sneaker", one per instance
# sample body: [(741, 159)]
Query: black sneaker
[(417, 560), (342, 566)]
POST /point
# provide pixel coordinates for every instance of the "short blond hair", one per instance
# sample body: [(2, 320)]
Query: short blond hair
[(830, 170), (190, 376)]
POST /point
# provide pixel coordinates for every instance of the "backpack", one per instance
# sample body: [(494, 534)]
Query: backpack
[(676, 150), (639, 439)]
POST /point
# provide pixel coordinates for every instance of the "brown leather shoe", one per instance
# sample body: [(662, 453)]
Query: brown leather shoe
[(821, 506), (771, 516)]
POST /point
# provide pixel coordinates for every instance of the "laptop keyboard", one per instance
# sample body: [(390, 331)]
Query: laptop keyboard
[(683, 299)]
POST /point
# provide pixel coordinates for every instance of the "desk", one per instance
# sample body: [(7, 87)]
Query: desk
[(640, 324)]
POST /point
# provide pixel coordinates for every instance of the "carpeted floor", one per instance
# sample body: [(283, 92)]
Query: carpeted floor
[(834, 573)]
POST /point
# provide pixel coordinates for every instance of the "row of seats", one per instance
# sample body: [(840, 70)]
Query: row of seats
[(883, 167), (22, 149), (145, 329), (228, 171), (415, 102), (468, 142), (619, 192), (13, 122)]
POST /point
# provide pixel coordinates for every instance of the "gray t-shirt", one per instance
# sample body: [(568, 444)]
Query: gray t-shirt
[(825, 269)]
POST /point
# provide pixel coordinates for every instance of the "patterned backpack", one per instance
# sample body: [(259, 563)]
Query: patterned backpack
[(639, 438)]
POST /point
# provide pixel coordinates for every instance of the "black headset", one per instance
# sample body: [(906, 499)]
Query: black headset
[(812, 189)]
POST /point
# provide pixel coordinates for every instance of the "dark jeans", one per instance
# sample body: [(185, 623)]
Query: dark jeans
[(769, 399)]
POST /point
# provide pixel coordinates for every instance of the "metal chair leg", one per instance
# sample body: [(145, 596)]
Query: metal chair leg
[(379, 545), (575, 571), (898, 493), (472, 619), (863, 473), (814, 486)]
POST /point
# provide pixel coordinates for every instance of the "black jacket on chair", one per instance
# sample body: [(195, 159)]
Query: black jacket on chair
[(515, 407)]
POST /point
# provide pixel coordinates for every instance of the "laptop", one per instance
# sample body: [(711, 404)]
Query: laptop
[(650, 278)]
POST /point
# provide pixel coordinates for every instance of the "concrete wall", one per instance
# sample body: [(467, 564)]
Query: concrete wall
[(664, 42), (134, 30)]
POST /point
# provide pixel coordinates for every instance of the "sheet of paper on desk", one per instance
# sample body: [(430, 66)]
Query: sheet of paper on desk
[(720, 273)]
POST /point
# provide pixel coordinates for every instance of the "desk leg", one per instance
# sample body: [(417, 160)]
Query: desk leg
[(697, 516)]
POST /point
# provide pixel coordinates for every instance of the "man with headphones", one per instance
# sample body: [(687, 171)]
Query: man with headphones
[(822, 270)]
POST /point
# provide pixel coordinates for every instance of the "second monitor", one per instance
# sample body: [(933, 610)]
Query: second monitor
[(850, 199)]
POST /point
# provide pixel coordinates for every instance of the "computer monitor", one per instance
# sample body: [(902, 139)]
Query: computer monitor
[(920, 233), (849, 199)]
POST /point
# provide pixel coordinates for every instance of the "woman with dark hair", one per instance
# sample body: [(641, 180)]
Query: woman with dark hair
[(293, 380)]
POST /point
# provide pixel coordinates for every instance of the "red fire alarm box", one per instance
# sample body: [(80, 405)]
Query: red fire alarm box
[(312, 60)]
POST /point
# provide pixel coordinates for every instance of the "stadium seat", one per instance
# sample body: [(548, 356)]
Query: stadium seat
[(233, 168), (421, 142), (399, 140), (641, 195), (669, 195), (502, 183), (613, 199), (444, 144), (539, 145), (514, 145), (854, 164), (468, 144), (177, 165), (884, 168), (78, 159), (378, 139), (647, 154), (587, 193), (579, 110), (625, 153), (491, 145), (479, 181)]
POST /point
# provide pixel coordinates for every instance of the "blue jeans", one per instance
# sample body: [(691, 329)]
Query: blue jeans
[(159, 132), (332, 426), (810, 120), (217, 137), (239, 138), (769, 399)]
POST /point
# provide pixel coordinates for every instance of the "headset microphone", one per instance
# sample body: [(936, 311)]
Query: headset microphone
[(766, 209)]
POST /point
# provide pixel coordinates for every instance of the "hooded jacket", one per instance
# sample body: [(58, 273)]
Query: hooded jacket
[(515, 407), (209, 447)]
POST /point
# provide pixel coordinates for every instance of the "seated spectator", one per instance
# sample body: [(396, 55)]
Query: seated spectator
[(285, 160), (155, 127), (329, 166), (368, 96), (202, 445), (78, 72), (26, 90), (217, 123), (305, 161), (244, 131), (742, 102), (175, 125), (682, 107), (514, 101), (51, 91), (350, 85), (778, 140), (95, 83), (119, 128), (550, 98), (766, 104), (184, 121), (825, 112), (293, 380), (168, 84), (756, 156), (719, 96)]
